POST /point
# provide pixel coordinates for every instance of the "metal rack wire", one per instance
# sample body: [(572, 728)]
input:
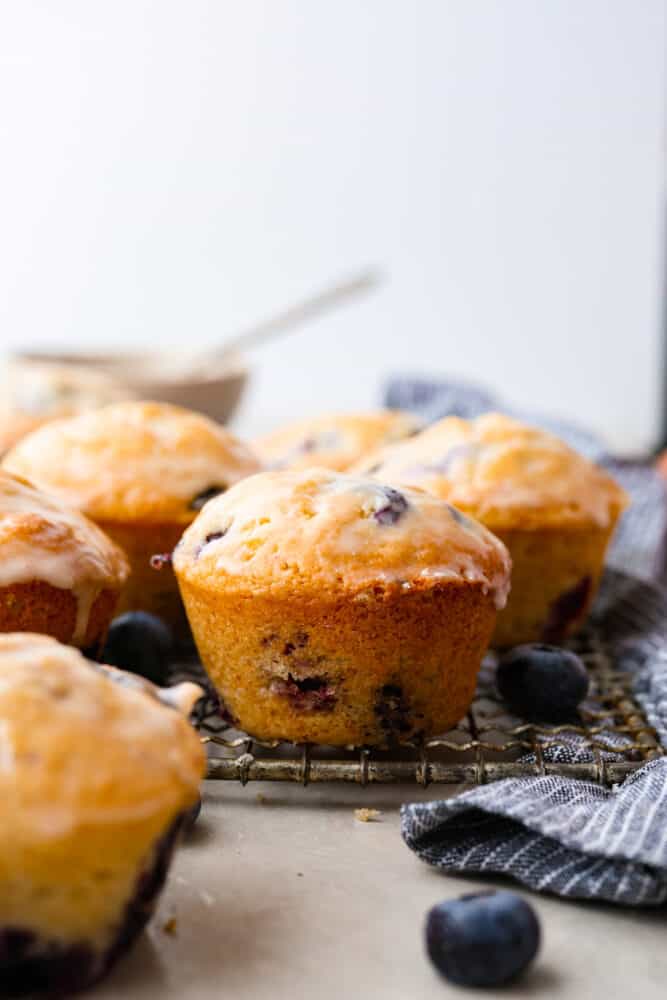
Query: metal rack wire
[(611, 734)]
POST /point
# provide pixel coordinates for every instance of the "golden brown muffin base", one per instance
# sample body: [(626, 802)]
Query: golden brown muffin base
[(40, 607), (148, 589), (343, 670), (555, 576)]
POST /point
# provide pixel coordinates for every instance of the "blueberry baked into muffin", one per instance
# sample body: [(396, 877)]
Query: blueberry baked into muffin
[(338, 610), (333, 441), (141, 471), (86, 837), (59, 573), (554, 510)]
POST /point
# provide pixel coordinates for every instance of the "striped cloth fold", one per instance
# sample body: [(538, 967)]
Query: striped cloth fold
[(572, 838)]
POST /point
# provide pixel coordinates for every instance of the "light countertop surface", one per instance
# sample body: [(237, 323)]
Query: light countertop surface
[(281, 894)]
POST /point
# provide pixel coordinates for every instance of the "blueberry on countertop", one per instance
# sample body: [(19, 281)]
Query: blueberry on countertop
[(486, 939), (141, 643), (542, 683)]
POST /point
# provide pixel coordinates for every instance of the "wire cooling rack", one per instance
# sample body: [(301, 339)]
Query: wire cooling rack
[(611, 735)]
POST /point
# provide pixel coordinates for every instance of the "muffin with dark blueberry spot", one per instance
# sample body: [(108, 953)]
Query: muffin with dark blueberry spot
[(86, 838), (339, 610), (554, 510), (333, 440), (141, 471)]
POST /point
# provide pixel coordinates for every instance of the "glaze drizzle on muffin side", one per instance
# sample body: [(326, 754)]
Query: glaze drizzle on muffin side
[(42, 541), (141, 471)]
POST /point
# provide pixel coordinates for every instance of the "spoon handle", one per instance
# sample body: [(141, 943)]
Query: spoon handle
[(295, 315)]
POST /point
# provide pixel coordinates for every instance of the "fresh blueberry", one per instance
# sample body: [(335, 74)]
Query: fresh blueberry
[(542, 683), (394, 508), (485, 939), (141, 643), (198, 501)]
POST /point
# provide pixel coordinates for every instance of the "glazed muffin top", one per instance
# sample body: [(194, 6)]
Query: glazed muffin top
[(314, 529), (42, 539), (504, 473), (33, 392), (83, 757), (133, 461), (333, 441)]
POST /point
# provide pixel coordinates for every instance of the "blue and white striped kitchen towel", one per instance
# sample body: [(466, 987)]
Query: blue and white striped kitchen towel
[(552, 834)]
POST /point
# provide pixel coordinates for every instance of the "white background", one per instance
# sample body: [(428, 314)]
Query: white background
[(172, 170)]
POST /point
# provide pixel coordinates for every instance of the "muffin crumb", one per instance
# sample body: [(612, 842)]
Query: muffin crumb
[(367, 815), (170, 926)]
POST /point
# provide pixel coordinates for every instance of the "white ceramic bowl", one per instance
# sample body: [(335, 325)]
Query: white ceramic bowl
[(215, 393)]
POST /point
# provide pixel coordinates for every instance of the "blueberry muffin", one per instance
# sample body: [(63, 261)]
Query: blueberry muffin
[(34, 392), (59, 573), (554, 510), (333, 441), (141, 471), (86, 837), (338, 610)]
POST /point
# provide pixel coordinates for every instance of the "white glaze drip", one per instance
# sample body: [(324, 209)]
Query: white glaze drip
[(42, 540), (85, 598)]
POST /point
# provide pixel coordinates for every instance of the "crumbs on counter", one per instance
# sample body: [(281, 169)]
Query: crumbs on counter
[(367, 815), (169, 926)]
